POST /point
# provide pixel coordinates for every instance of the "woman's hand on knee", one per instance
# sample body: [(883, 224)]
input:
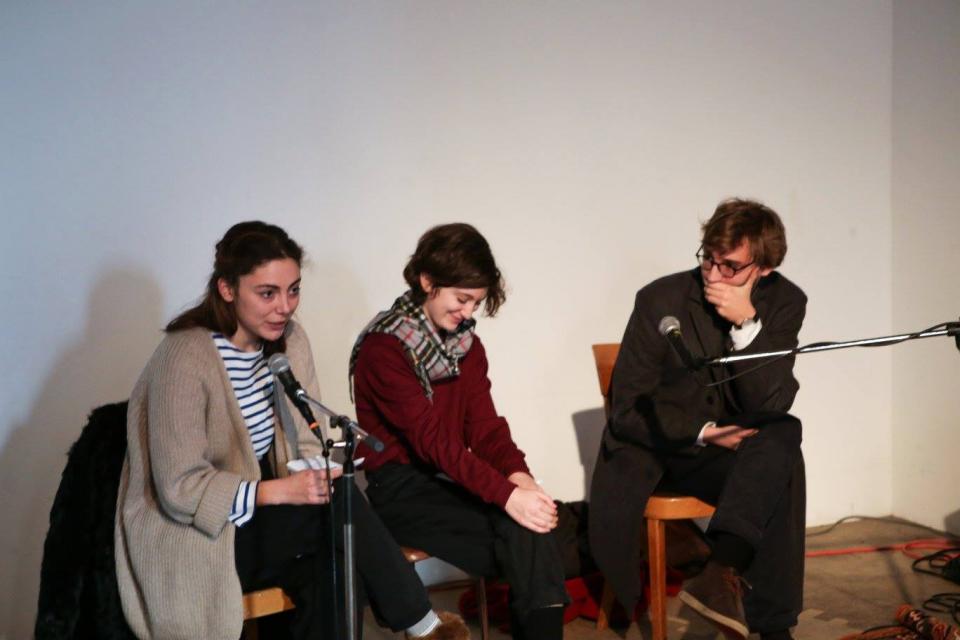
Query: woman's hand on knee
[(303, 487), (532, 509)]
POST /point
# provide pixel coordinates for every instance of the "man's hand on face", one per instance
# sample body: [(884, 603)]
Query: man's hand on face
[(732, 301)]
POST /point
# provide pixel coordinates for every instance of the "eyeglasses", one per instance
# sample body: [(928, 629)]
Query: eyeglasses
[(727, 270)]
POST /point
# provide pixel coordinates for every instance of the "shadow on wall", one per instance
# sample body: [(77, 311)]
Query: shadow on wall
[(951, 523), (588, 425), (122, 329)]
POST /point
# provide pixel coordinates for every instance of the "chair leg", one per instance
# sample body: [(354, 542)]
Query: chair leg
[(606, 607), (482, 608), (657, 558)]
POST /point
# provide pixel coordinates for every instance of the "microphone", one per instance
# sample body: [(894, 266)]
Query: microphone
[(670, 329), (280, 367)]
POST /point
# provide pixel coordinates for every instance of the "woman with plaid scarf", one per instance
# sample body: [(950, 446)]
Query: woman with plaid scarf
[(451, 480)]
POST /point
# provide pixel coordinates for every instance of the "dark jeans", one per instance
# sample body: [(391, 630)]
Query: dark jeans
[(445, 520), (289, 546), (760, 494)]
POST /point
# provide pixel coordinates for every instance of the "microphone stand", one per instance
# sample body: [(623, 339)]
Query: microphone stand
[(949, 329), (351, 432)]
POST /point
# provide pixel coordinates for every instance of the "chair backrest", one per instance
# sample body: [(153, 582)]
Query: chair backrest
[(605, 356)]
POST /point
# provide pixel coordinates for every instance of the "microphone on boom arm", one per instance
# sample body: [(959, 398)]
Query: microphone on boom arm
[(280, 367), (670, 329)]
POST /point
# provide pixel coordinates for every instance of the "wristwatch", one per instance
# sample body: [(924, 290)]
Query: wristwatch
[(749, 322)]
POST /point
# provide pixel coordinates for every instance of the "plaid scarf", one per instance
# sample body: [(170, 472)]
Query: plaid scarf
[(433, 357)]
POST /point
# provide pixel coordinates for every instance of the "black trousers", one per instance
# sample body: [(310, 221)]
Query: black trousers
[(760, 494), (289, 546), (445, 520)]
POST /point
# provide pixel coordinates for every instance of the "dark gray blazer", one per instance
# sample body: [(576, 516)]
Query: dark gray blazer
[(657, 407)]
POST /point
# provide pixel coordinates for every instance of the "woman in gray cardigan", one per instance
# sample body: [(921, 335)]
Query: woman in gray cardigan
[(207, 508)]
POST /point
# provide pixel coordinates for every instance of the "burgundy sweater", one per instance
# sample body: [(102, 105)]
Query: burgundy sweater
[(458, 433)]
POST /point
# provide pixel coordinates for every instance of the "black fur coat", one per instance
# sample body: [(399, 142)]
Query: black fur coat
[(78, 581)]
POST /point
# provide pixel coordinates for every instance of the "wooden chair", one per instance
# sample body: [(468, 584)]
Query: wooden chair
[(265, 602), (416, 555), (660, 508)]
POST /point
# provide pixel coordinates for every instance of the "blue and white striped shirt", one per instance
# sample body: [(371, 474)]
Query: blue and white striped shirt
[(253, 386)]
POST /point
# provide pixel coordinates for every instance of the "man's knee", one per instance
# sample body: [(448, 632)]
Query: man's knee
[(782, 427), (791, 429)]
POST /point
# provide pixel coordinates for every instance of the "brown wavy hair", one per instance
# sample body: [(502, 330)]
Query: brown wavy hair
[(736, 219), (455, 255), (244, 247)]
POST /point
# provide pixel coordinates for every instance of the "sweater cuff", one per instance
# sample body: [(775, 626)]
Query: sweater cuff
[(502, 493), (515, 466), (217, 501)]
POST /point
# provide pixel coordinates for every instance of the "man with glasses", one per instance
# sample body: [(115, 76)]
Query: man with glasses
[(722, 434)]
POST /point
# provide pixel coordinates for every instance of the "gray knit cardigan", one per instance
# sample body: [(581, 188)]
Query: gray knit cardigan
[(188, 450)]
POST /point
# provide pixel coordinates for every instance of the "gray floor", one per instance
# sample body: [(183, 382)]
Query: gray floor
[(843, 594)]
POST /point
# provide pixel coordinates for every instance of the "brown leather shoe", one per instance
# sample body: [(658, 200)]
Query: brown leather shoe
[(451, 627), (717, 595)]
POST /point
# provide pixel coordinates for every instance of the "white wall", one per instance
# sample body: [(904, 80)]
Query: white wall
[(926, 231), (586, 140)]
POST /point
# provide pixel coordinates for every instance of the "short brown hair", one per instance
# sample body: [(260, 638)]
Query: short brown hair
[(455, 255), (735, 220)]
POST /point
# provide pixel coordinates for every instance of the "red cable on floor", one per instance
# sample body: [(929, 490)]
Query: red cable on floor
[(926, 544)]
